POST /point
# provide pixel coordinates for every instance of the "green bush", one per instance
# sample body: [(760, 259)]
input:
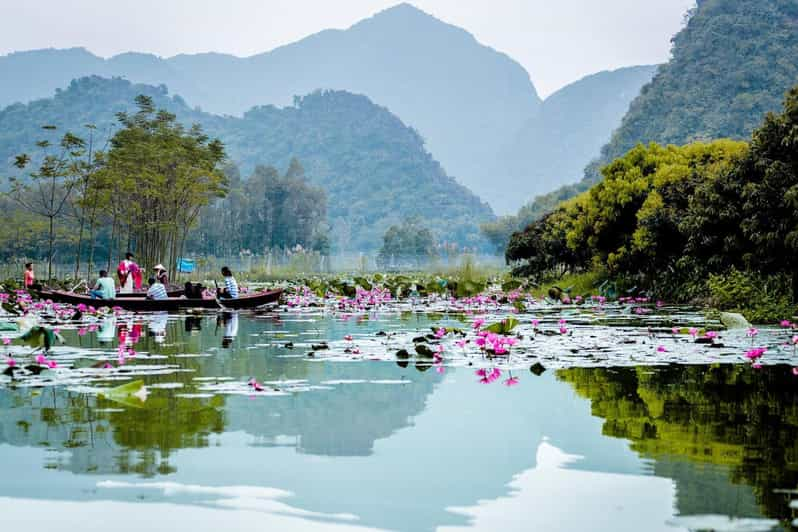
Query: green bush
[(760, 299)]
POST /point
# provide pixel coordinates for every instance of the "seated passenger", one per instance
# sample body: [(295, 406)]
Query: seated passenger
[(230, 290), (104, 288), (156, 290)]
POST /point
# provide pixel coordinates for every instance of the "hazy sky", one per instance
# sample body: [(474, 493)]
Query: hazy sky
[(557, 41)]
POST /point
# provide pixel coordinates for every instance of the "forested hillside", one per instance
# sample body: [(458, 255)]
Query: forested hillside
[(732, 63), (466, 99), (374, 169)]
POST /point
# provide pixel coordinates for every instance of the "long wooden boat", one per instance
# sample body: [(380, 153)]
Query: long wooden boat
[(141, 304)]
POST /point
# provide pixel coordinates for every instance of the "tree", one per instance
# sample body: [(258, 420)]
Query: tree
[(47, 189), (408, 243), (162, 175)]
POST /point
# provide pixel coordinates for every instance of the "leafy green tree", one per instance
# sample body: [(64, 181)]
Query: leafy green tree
[(408, 243), (162, 174), (47, 189)]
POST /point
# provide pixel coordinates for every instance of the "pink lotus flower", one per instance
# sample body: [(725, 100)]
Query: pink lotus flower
[(756, 353), (563, 330), (52, 364), (752, 331), (479, 322), (82, 307), (41, 359), (535, 323), (562, 321), (661, 349), (107, 366), (11, 362), (481, 372), (711, 335), (6, 340), (255, 385), (693, 332), (440, 333), (512, 381), (786, 323)]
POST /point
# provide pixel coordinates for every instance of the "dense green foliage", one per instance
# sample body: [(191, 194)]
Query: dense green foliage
[(374, 169), (408, 244), (265, 212), (731, 64), (667, 217)]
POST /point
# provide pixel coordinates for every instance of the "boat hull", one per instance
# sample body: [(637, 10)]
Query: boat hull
[(140, 304)]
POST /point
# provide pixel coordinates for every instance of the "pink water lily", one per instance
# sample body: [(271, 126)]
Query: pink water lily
[(6, 340), (711, 335), (52, 364), (786, 323), (693, 332), (752, 331), (440, 333), (512, 381), (10, 362), (661, 349), (756, 353), (675, 330), (255, 385), (461, 343), (479, 322), (41, 359), (348, 337), (563, 330), (795, 371), (535, 323), (82, 331)]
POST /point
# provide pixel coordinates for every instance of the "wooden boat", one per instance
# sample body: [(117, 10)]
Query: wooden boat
[(140, 304)]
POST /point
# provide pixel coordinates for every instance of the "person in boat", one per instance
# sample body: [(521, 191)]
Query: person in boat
[(161, 275), (30, 276), (129, 275), (157, 290), (230, 290), (104, 287)]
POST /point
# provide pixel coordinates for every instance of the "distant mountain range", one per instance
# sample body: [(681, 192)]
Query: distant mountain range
[(374, 168), (568, 131), (476, 108), (731, 64)]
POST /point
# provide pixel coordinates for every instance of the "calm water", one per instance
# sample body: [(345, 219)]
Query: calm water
[(386, 445)]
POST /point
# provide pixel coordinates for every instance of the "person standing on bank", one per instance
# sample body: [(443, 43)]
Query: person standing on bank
[(30, 277)]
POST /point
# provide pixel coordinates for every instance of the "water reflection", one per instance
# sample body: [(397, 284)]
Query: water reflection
[(396, 448)]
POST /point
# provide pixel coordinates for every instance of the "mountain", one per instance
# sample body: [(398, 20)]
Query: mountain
[(732, 63), (465, 99), (570, 128), (375, 169)]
